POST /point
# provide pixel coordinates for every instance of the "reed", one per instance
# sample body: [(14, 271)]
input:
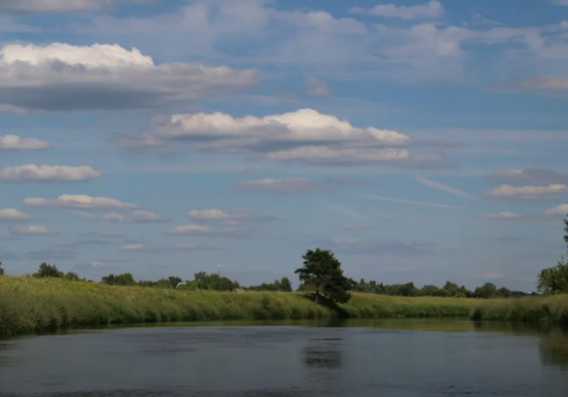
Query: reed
[(31, 305)]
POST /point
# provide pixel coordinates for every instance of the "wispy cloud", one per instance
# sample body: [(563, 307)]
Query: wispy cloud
[(410, 202), (444, 187)]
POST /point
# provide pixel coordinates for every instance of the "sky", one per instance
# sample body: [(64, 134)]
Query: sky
[(418, 140)]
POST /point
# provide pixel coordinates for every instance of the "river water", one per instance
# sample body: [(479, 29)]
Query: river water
[(404, 358)]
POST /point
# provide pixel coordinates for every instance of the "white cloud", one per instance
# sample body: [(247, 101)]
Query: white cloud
[(104, 76), (305, 135), (281, 186), (189, 229), (54, 5), (15, 142), (30, 230), (48, 173), (502, 215), (138, 216), (445, 188), (430, 10), (317, 87), (492, 276), (12, 214), (411, 202), (559, 210), (530, 176), (134, 247), (78, 201), (560, 2), (527, 192), (97, 265), (209, 214)]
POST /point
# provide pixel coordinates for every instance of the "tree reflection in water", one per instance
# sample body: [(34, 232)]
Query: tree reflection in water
[(323, 353), (554, 350)]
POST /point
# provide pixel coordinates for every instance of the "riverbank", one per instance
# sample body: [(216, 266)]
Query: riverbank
[(29, 305)]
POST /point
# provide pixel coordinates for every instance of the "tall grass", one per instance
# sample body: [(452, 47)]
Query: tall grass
[(533, 310), (30, 305)]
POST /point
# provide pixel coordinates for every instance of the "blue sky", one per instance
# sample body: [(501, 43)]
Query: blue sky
[(420, 141)]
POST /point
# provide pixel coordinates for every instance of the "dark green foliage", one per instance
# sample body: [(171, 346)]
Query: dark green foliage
[(71, 276), (554, 280), (212, 282), (1, 269), (488, 290), (566, 231), (283, 285), (47, 270), (121, 279), (322, 270)]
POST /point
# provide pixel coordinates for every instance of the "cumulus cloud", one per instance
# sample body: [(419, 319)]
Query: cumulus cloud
[(559, 210), (138, 216), (179, 247), (13, 215), (530, 176), (317, 87), (281, 186), (79, 201), (228, 217), (30, 230), (15, 142), (54, 5), (48, 173), (189, 229), (430, 10), (104, 76), (527, 192), (305, 135), (206, 231), (502, 215), (134, 247)]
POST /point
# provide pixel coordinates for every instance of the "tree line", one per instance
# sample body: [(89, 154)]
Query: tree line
[(322, 276)]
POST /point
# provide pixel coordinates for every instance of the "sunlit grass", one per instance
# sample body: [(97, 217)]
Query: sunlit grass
[(30, 305), (534, 310)]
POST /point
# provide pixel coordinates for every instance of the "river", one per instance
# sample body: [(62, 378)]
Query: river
[(398, 358)]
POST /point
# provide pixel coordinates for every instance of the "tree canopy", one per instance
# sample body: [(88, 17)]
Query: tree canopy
[(322, 270), (1, 268)]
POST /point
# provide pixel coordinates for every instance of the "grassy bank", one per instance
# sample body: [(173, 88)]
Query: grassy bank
[(35, 305), (29, 305), (532, 310)]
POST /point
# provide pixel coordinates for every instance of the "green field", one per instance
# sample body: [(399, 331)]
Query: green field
[(29, 305)]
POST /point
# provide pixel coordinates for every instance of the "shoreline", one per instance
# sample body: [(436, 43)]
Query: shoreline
[(30, 306)]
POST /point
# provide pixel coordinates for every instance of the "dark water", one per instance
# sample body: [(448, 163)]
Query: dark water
[(383, 358)]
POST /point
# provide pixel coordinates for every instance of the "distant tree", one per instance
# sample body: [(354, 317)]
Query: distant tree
[(142, 283), (488, 290), (47, 270), (566, 231), (212, 281), (174, 281), (71, 276), (285, 284), (504, 292), (124, 279), (554, 280), (322, 270), (1, 269)]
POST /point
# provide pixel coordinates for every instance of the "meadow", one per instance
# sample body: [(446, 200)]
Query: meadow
[(35, 305)]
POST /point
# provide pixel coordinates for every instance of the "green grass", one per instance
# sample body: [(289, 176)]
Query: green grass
[(29, 305), (532, 310)]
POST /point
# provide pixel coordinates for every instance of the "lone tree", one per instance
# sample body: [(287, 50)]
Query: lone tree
[(554, 280), (322, 270), (1, 268)]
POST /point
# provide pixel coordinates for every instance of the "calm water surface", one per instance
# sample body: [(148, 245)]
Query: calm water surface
[(358, 359)]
